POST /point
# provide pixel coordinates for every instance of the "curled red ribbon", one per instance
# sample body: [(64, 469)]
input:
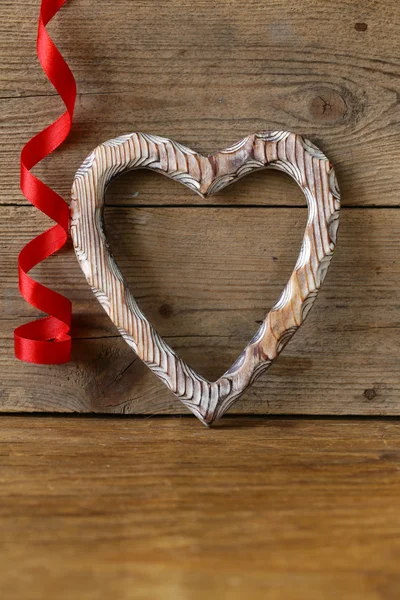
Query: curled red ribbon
[(46, 340)]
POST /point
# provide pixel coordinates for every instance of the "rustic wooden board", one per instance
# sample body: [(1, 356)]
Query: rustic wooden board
[(365, 152), (342, 361), (205, 76), (162, 509)]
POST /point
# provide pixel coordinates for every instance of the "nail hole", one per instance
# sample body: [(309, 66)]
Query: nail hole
[(360, 26)]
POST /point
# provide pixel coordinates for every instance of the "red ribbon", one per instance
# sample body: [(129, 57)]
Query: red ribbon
[(46, 340)]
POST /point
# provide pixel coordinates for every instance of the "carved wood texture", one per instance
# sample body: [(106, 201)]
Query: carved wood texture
[(283, 151)]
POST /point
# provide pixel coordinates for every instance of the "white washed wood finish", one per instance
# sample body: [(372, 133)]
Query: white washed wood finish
[(280, 150)]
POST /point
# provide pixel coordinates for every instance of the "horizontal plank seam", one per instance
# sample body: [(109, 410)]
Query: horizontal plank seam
[(245, 206), (142, 416), (230, 206)]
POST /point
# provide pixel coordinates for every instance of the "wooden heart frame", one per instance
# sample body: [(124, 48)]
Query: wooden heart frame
[(280, 150)]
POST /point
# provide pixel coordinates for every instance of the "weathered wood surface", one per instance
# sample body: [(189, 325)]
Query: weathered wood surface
[(208, 74), (215, 72), (277, 509), (344, 360)]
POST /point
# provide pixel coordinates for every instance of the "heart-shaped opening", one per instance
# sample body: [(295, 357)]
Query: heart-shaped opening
[(207, 175), (205, 272)]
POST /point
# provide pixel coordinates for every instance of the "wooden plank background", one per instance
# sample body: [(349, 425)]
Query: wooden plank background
[(258, 508), (205, 271)]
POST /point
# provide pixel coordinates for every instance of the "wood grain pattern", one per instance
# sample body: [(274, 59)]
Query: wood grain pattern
[(93, 508), (279, 150), (345, 360), (207, 75)]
